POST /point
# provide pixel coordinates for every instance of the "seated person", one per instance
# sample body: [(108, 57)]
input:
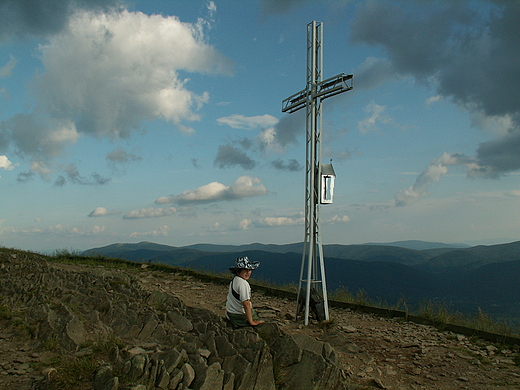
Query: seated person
[(238, 306)]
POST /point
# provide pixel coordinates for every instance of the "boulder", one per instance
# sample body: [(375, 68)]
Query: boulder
[(179, 321)]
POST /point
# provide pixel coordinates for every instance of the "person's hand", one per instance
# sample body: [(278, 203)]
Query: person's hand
[(255, 323)]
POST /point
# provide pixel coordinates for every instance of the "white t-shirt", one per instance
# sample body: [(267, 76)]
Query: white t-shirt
[(242, 287)]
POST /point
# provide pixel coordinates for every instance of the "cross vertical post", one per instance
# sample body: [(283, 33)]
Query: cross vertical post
[(312, 271)]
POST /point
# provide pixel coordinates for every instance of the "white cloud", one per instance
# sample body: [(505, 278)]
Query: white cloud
[(248, 122), (41, 168), (98, 212), (63, 230), (279, 221), (337, 219), (376, 116), (97, 229), (162, 231), (244, 187), (268, 140), (419, 189), (207, 193), (212, 8), (6, 164), (150, 212), (433, 99), (102, 212), (500, 125), (247, 186), (65, 133), (432, 175), (107, 72), (163, 200), (244, 224)]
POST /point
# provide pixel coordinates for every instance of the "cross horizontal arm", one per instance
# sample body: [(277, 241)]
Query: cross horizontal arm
[(327, 88), (295, 102), (335, 85)]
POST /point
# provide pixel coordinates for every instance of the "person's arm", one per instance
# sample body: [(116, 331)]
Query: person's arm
[(249, 313)]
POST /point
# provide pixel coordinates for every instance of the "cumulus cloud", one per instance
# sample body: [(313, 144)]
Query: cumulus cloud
[(113, 70), (469, 60), (6, 164), (244, 224), (98, 212), (105, 73), (150, 212), (244, 187), (101, 212)]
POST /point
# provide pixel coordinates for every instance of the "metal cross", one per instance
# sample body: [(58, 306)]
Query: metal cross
[(311, 97)]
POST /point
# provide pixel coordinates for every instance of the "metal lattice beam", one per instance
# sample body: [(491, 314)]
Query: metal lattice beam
[(312, 271)]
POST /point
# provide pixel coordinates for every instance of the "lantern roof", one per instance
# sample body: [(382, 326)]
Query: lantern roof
[(327, 169)]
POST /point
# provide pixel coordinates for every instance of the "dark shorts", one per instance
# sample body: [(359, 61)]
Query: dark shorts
[(240, 320)]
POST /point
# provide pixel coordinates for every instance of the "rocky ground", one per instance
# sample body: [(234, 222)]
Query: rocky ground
[(375, 352), (372, 352)]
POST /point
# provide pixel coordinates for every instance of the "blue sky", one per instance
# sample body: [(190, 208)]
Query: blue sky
[(161, 121)]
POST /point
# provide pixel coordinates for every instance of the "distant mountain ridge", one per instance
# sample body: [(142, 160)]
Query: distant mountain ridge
[(408, 244), (465, 278), (420, 245)]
